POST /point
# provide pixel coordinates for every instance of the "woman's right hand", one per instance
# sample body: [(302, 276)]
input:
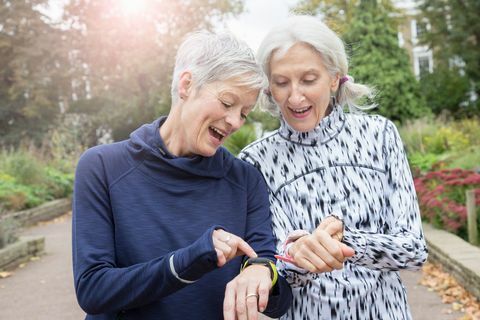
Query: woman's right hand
[(228, 246), (322, 251)]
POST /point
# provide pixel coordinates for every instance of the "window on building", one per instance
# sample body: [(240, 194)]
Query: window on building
[(423, 65), (421, 28)]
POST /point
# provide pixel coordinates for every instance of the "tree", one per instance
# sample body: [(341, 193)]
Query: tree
[(31, 71), (104, 58), (455, 34), (447, 90), (378, 60), (338, 14), (125, 58)]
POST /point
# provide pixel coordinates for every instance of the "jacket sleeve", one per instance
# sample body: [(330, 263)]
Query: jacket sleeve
[(401, 245), (102, 286), (260, 237)]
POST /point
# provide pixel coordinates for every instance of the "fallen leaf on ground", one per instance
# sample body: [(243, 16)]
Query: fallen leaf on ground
[(451, 292), (5, 274)]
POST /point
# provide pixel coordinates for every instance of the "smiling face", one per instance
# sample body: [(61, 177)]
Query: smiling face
[(301, 86), (207, 116)]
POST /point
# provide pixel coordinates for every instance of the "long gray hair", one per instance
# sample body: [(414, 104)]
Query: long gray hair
[(311, 31)]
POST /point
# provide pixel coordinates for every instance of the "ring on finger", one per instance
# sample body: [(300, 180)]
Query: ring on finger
[(251, 295)]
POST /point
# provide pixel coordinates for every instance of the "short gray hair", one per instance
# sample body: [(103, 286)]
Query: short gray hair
[(214, 57), (313, 32)]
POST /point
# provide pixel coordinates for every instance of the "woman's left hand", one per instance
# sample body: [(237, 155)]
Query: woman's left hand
[(247, 294)]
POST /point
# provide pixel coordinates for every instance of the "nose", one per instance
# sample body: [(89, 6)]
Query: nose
[(234, 119), (296, 97)]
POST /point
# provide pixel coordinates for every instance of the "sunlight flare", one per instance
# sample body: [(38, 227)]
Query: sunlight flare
[(133, 7)]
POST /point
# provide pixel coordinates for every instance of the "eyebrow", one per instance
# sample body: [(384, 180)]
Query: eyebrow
[(228, 94), (308, 71)]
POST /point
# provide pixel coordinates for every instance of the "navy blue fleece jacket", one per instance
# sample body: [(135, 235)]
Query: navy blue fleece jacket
[(140, 215)]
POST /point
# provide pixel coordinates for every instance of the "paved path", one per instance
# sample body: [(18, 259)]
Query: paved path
[(43, 289)]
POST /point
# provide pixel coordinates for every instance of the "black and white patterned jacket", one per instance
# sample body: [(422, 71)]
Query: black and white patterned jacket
[(353, 166)]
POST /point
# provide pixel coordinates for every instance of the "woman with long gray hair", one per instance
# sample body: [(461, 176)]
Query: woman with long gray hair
[(344, 207)]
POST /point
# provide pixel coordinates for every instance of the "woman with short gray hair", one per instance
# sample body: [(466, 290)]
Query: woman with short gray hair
[(162, 220)]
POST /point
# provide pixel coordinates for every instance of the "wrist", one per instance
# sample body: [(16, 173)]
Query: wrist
[(263, 262)]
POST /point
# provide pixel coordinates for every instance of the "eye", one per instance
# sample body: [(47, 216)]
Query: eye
[(243, 116), (280, 83), (309, 80), (225, 104)]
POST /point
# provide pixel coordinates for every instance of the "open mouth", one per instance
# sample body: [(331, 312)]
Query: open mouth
[(217, 133), (301, 111)]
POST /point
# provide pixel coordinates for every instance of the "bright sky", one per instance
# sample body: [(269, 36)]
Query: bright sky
[(258, 18)]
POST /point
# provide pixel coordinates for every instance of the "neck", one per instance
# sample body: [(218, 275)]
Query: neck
[(171, 135)]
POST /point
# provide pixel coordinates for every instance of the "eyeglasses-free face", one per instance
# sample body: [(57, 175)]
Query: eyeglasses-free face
[(210, 115), (301, 86)]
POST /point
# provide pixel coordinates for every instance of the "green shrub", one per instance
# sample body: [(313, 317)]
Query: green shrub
[(470, 128), (14, 196), (58, 183), (422, 162), (446, 139), (413, 133), (446, 90), (22, 165), (468, 159)]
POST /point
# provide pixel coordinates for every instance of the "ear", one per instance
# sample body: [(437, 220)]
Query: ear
[(184, 84), (334, 84)]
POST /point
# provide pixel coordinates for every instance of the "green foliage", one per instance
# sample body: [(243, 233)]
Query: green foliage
[(15, 196), (21, 165), (446, 139), (379, 61), (27, 181), (455, 33), (413, 133), (422, 162), (33, 71), (469, 127), (338, 14), (468, 159), (237, 141), (437, 144), (447, 90), (59, 184)]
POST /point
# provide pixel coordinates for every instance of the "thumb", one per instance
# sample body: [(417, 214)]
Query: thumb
[(347, 251)]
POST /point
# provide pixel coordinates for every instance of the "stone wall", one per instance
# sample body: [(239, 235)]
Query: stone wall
[(458, 257), (46, 211), (14, 251), (21, 251)]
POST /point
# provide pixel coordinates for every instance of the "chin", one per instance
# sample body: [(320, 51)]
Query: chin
[(303, 127), (208, 153)]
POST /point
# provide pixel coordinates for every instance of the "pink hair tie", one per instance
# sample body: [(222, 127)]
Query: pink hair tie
[(343, 79)]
